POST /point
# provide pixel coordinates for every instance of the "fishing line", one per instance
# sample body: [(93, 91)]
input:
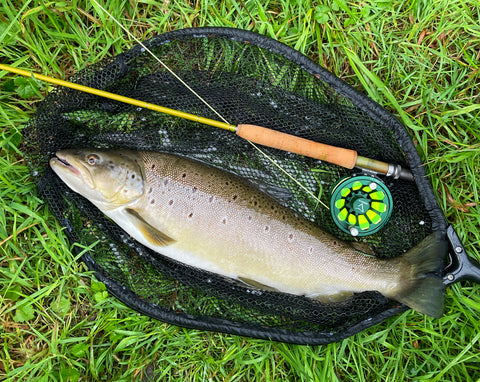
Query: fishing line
[(272, 138), (344, 157)]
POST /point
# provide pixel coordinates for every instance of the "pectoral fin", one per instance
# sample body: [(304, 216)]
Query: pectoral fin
[(152, 234)]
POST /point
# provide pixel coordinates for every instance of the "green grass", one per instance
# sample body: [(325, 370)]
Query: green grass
[(418, 58)]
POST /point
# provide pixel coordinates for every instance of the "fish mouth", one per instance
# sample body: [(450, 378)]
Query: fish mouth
[(61, 159)]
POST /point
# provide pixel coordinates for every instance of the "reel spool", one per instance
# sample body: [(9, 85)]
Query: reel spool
[(360, 205)]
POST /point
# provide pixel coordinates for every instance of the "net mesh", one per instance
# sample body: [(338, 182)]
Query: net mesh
[(248, 79)]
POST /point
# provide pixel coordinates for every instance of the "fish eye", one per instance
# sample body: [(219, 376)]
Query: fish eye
[(92, 159)]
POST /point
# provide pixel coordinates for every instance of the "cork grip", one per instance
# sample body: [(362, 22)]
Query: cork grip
[(271, 138)]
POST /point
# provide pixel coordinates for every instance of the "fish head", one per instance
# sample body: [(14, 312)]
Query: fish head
[(107, 178)]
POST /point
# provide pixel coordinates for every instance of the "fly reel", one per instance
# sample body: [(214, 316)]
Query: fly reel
[(360, 205)]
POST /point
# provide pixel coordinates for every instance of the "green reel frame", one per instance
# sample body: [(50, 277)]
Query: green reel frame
[(360, 205)]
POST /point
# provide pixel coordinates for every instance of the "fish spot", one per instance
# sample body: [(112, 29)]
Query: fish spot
[(224, 221), (266, 228), (310, 250), (153, 166), (250, 218), (170, 202), (235, 197), (194, 189), (133, 176), (211, 199), (150, 190), (291, 237), (184, 175), (165, 182), (152, 201), (190, 215)]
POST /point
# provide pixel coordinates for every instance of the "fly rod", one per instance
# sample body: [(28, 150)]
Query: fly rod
[(257, 134)]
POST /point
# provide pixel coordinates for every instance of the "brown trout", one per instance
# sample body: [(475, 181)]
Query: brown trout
[(210, 219)]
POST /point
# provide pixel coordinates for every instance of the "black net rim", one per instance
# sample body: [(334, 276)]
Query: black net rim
[(373, 109)]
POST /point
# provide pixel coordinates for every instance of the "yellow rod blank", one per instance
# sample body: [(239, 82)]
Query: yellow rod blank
[(116, 97)]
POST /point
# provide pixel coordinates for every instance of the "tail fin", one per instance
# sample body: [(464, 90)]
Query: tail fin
[(424, 291)]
